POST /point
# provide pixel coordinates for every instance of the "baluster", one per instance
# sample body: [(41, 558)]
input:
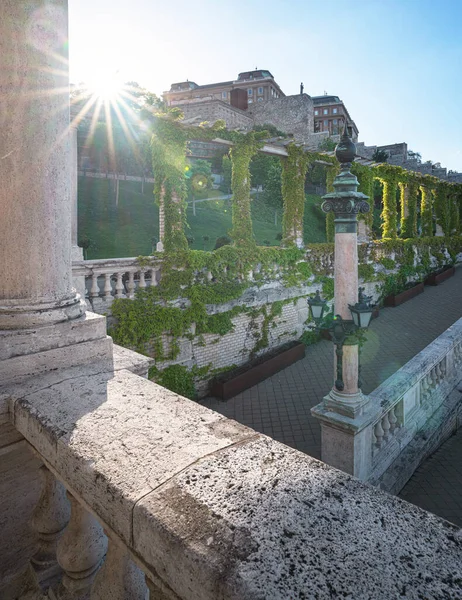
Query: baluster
[(423, 389), (385, 427), (131, 285), (434, 377), (155, 592), (119, 578), (142, 283), (392, 420), (209, 276), (94, 292), (378, 432), (80, 550), (119, 286), (107, 285), (153, 277), (49, 519)]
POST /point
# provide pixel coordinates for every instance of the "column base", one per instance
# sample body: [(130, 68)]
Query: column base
[(349, 405), (21, 314), (25, 353)]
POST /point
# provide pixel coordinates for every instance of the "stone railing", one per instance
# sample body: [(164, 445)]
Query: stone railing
[(142, 488), (406, 419), (103, 280), (418, 408)]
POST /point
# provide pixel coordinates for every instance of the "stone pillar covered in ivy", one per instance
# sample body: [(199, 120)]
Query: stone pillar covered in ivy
[(443, 207), (294, 169), (169, 162), (388, 175), (456, 199), (426, 212), (241, 153), (366, 186), (408, 202)]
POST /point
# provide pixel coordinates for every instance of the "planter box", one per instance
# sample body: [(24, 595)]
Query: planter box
[(245, 377), (393, 300), (440, 276)]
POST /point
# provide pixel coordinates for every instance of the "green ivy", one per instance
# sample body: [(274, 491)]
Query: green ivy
[(294, 169)]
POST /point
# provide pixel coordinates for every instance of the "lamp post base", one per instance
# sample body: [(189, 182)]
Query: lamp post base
[(349, 405)]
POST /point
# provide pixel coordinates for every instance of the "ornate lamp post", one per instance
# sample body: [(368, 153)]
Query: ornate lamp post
[(346, 202)]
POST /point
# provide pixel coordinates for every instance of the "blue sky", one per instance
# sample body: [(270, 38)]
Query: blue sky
[(395, 63)]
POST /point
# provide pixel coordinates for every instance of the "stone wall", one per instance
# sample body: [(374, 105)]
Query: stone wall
[(291, 114), (217, 110)]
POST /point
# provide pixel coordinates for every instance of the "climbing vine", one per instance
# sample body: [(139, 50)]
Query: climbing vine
[(442, 203), (409, 190), (388, 176), (294, 169), (426, 212), (244, 148)]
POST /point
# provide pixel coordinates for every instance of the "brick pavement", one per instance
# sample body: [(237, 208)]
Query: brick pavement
[(280, 406)]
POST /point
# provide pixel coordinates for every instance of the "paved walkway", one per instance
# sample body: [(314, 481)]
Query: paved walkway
[(280, 406)]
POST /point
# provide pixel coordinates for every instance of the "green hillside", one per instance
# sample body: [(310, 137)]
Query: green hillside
[(131, 228)]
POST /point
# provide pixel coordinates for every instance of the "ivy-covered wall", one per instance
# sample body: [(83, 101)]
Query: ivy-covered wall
[(213, 311)]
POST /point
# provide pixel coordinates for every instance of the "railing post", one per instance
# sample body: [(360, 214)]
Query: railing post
[(49, 520), (119, 578), (80, 551)]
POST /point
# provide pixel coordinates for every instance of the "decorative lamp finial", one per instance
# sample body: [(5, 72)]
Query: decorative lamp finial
[(346, 149)]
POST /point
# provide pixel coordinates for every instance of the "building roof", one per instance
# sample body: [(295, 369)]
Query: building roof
[(324, 99), (256, 74)]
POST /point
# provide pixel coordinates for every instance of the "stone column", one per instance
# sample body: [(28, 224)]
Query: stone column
[(77, 252), (35, 225)]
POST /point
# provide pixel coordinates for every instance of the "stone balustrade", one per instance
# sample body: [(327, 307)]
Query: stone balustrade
[(107, 279), (406, 419), (143, 489)]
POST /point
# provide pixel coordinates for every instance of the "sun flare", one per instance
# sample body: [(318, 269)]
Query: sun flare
[(105, 86)]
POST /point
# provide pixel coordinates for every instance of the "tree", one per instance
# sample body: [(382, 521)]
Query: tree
[(272, 193), (260, 167), (380, 156), (199, 177), (327, 145), (227, 171)]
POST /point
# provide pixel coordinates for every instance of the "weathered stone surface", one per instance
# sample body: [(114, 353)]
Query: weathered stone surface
[(31, 341), (217, 511), (19, 493), (131, 361), (261, 521), (115, 437)]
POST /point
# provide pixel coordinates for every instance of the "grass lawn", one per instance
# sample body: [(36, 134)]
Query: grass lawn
[(129, 228)]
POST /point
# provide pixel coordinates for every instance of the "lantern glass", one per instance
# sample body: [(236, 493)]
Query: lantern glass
[(362, 315), (317, 306)]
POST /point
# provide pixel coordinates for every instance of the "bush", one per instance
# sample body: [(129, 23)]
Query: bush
[(223, 240)]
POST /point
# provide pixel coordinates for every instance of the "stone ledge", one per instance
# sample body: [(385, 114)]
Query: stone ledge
[(218, 511)]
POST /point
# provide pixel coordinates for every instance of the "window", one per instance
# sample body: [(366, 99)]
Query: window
[(223, 94), (325, 111), (325, 123), (335, 121), (249, 91), (260, 90), (316, 113), (334, 111), (260, 99)]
